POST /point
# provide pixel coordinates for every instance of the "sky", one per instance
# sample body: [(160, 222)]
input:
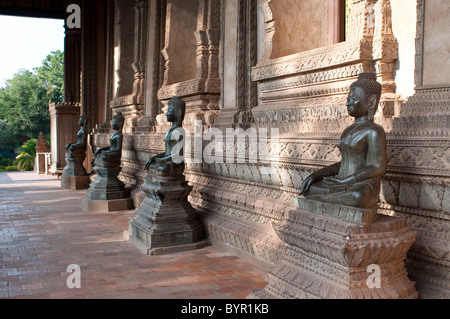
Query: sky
[(25, 42)]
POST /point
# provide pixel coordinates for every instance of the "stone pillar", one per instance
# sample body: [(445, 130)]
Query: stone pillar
[(72, 65), (336, 21), (63, 128), (330, 251), (385, 53), (64, 116)]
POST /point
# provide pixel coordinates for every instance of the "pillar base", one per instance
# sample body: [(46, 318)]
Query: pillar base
[(355, 256), (107, 192), (166, 222), (75, 182), (143, 248), (106, 205)]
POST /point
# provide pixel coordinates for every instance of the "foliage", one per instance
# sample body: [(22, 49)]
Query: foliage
[(24, 106), (51, 75), (4, 161), (24, 100), (8, 135), (27, 153)]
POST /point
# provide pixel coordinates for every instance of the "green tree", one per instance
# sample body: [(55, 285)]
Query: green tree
[(51, 74), (4, 161), (24, 100), (8, 135), (24, 106)]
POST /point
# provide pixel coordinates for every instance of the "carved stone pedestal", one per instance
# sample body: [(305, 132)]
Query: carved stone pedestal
[(107, 192), (166, 222), (74, 174), (333, 251)]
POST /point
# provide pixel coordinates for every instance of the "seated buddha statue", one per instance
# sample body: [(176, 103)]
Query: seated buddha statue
[(80, 144), (171, 162), (112, 154), (75, 155), (355, 180)]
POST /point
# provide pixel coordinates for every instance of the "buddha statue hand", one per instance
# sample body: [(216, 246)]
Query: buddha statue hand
[(149, 163), (336, 181), (311, 179)]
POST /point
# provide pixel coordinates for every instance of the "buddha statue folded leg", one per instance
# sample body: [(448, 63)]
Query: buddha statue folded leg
[(362, 194), (108, 160), (166, 169)]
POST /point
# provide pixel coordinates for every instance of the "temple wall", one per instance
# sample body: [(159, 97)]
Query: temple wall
[(250, 71), (416, 185), (123, 48), (404, 29), (181, 42), (436, 43), (300, 26)]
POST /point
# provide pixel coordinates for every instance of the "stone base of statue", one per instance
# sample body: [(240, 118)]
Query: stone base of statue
[(333, 251), (165, 221), (75, 182), (107, 192), (74, 174)]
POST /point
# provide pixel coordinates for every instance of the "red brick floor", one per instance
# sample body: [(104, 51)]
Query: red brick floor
[(43, 230)]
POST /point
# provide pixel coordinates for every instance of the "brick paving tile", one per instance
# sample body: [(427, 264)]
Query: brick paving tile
[(43, 230)]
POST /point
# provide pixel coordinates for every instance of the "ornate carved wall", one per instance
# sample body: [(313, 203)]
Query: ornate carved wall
[(223, 57), (417, 182)]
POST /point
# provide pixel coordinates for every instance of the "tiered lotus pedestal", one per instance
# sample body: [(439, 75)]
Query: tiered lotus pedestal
[(333, 251), (107, 192), (74, 174), (165, 221)]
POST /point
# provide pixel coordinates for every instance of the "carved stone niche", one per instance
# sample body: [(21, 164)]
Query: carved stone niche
[(191, 55), (130, 27), (294, 34), (288, 73)]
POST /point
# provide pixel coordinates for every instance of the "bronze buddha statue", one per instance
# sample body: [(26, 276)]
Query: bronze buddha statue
[(74, 174), (165, 220), (81, 143), (355, 180), (113, 153), (171, 162)]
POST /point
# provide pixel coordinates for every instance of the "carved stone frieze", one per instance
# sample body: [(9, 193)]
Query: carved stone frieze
[(321, 58)]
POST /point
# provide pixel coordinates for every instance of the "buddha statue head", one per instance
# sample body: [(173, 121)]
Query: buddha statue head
[(364, 96), (118, 121), (83, 120), (176, 110)]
